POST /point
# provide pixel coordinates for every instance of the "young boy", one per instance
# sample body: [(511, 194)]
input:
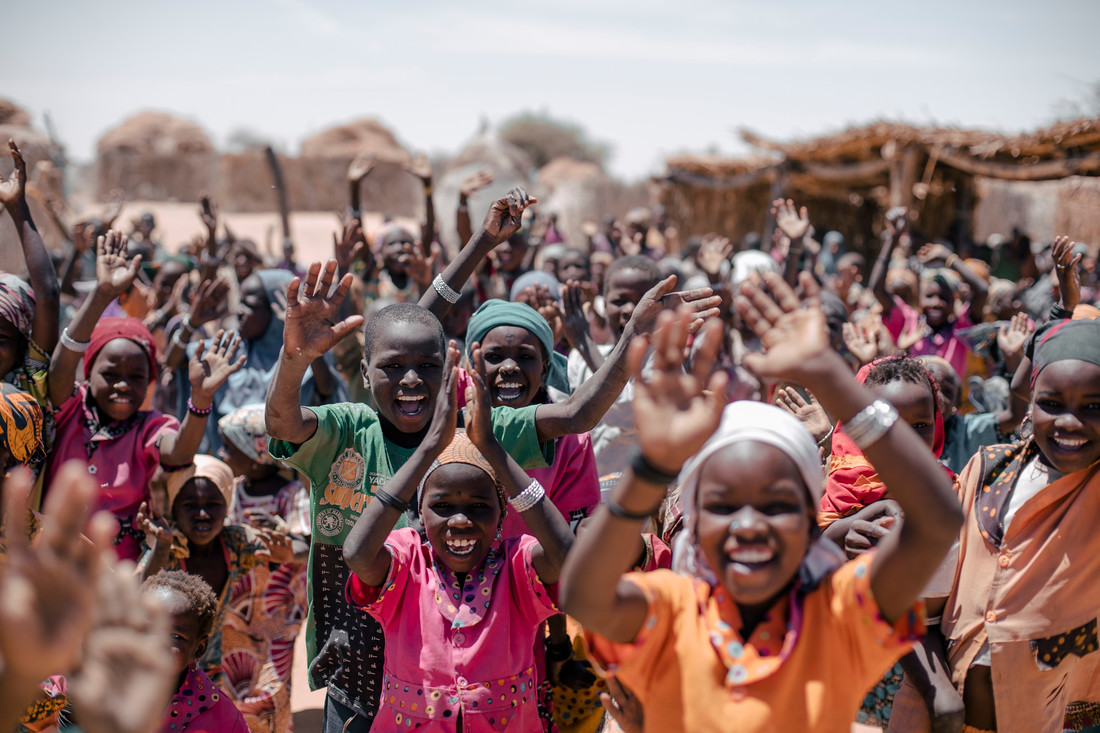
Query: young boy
[(348, 451)]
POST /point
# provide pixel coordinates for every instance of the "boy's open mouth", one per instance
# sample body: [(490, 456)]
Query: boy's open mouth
[(461, 547), (411, 405), (510, 391)]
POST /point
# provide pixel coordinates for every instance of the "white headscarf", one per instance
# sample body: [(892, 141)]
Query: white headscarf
[(742, 421)]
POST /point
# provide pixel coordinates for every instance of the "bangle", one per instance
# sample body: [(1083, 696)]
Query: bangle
[(72, 344), (558, 651), (616, 510), (445, 291), (527, 498), (649, 473), (827, 435), (871, 423), (196, 411), (185, 322), (391, 501)]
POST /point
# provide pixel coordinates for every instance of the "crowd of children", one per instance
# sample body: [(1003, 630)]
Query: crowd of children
[(629, 483)]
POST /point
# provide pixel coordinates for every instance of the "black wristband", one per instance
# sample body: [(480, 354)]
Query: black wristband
[(1058, 312), (646, 471), (621, 513), (560, 651), (391, 501)]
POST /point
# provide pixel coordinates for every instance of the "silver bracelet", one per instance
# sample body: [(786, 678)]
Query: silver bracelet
[(445, 291), (871, 423), (528, 497), (72, 344)]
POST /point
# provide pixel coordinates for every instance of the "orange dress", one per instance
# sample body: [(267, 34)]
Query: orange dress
[(806, 667)]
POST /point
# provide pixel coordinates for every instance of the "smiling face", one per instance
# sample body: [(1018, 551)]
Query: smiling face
[(199, 511), (935, 303), (1065, 413), (254, 314), (12, 345), (625, 288), (515, 365), (753, 530), (461, 514), (915, 406), (397, 249), (119, 379), (187, 642), (404, 373), (509, 254)]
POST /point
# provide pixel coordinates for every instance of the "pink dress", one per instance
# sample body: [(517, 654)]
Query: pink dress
[(456, 651), (572, 483), (944, 344), (200, 707), (121, 456)]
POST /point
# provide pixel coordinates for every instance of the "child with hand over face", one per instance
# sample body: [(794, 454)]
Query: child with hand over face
[(471, 602), (772, 629)]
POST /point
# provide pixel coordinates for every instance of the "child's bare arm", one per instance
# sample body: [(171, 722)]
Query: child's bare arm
[(502, 221), (897, 219), (363, 551), (40, 269), (311, 329), (675, 414), (797, 350), (114, 275), (546, 523), (587, 406), (208, 370)]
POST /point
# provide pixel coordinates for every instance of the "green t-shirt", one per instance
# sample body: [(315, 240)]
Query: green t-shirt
[(346, 461)]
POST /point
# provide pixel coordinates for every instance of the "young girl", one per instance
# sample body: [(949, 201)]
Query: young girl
[(101, 421), (197, 705), (471, 604), (769, 632), (198, 541), (1021, 618), (266, 607)]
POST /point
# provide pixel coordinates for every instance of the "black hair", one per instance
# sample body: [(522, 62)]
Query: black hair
[(900, 369), (632, 262), (381, 322), (202, 603)]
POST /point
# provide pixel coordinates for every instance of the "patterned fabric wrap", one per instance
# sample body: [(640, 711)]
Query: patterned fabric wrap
[(207, 467), (461, 450), (21, 424), (131, 329), (244, 428), (17, 303), (1061, 341)]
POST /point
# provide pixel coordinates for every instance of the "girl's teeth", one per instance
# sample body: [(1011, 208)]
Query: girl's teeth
[(1070, 442), (751, 556), (461, 547)]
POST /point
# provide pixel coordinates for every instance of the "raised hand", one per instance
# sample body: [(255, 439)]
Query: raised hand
[(114, 275), (862, 345), (795, 338), (1012, 335), (623, 707), (792, 222), (280, 545), (934, 252), (350, 246), (701, 302), (311, 324), (910, 334), (209, 368), (362, 165), (48, 592), (154, 525), (1065, 268), (445, 418), (712, 253), (574, 321), (506, 214), (471, 184), (540, 298), (13, 192), (479, 410), (209, 215), (676, 411), (897, 221), (808, 411), (421, 268), (208, 302), (420, 167)]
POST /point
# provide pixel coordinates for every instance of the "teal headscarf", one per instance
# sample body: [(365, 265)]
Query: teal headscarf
[(496, 312)]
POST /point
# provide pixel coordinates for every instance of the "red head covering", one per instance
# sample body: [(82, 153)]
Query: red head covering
[(131, 329), (853, 482)]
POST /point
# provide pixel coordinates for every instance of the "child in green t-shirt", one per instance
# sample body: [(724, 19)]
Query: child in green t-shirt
[(349, 450)]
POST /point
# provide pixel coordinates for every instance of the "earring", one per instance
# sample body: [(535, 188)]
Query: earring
[(498, 537)]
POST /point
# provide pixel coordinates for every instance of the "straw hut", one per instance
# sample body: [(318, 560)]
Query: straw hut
[(850, 179), (156, 156)]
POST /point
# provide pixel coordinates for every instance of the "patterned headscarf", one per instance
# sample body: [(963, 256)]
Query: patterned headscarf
[(461, 450), (245, 430), (1061, 341), (20, 424), (131, 329), (207, 467), (17, 303)]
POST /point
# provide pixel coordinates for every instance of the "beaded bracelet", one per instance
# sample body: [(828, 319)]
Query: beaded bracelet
[(196, 411), (445, 291), (527, 498)]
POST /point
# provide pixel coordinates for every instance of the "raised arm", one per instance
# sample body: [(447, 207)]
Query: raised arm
[(897, 219), (575, 322), (675, 412), (421, 167), (794, 223), (114, 276), (363, 547), (797, 350), (979, 289), (40, 269), (469, 187), (357, 171), (1010, 341), (312, 328), (206, 306), (502, 221), (587, 406), (546, 523), (1069, 277)]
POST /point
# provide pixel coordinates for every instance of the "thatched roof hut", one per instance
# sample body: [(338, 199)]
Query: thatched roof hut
[(849, 179), (158, 156)]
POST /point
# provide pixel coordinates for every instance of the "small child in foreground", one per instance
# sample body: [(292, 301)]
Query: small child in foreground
[(471, 603)]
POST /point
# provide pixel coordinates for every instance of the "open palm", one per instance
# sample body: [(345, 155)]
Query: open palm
[(114, 274), (209, 368), (794, 338), (13, 190), (312, 326)]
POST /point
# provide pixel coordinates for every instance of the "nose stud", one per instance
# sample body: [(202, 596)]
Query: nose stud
[(736, 525)]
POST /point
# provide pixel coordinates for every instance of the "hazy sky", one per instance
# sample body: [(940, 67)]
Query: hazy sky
[(650, 78)]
